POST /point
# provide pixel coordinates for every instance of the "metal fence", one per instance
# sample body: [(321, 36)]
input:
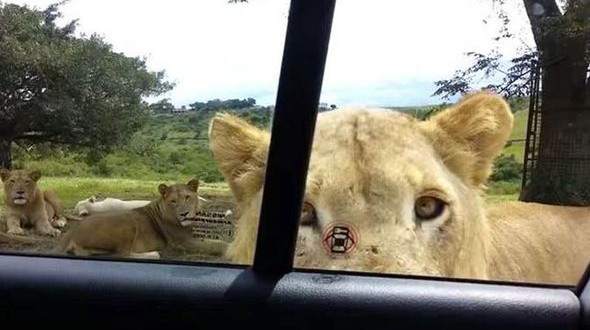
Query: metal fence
[(557, 151)]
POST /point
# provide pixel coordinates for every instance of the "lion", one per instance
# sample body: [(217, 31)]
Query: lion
[(92, 205), (404, 196), (28, 205), (145, 231)]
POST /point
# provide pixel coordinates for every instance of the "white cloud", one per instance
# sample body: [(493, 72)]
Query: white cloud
[(381, 48), (381, 51)]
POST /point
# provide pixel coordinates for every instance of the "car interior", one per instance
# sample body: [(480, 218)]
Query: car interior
[(110, 292)]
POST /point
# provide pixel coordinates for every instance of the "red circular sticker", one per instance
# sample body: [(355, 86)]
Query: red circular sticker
[(340, 239)]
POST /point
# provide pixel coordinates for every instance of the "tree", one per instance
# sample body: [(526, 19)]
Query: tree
[(217, 104), (162, 106), (561, 31), (59, 88)]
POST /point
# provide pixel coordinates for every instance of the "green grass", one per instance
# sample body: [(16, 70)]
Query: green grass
[(174, 148), (502, 191), (72, 190), (500, 198), (518, 132), (520, 122)]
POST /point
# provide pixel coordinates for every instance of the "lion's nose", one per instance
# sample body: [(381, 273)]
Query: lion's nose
[(20, 192)]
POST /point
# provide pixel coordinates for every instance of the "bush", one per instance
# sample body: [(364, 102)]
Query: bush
[(67, 166), (102, 168), (140, 145), (504, 188), (175, 158), (518, 103), (506, 168)]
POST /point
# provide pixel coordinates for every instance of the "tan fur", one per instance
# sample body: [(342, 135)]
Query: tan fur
[(367, 169), (140, 232), (27, 205), (550, 240), (241, 151)]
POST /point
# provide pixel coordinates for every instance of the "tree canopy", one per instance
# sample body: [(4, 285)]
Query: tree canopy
[(554, 24), (62, 88), (217, 104), (558, 156)]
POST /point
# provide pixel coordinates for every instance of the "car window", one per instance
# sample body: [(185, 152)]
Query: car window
[(449, 145), (104, 130), (410, 201), (451, 139)]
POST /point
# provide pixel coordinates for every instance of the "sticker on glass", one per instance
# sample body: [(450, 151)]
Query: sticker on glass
[(340, 239)]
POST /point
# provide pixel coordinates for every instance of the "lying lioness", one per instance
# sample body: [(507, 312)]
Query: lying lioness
[(28, 206), (144, 231), (389, 193), (91, 205)]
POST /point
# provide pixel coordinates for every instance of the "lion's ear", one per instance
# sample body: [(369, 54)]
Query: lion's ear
[(35, 175), (471, 134), (240, 150), (162, 188), (4, 174), (193, 185), (92, 199)]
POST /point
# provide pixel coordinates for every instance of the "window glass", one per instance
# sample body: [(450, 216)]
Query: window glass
[(105, 108), (452, 141)]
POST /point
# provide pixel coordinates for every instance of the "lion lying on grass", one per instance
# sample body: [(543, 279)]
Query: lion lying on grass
[(91, 205), (409, 191), (26, 205), (143, 232)]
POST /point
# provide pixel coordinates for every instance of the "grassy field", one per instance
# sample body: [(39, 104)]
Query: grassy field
[(174, 148), (168, 149), (72, 190), (492, 198), (518, 132)]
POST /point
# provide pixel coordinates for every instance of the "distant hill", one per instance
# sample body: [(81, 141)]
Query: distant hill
[(418, 111), (168, 147), (175, 147), (519, 107)]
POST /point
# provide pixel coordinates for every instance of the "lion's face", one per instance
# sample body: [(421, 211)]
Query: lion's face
[(83, 206), (385, 192), (181, 201), (375, 176), (20, 186)]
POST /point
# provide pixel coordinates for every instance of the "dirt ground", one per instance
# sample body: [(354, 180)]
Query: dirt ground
[(46, 244)]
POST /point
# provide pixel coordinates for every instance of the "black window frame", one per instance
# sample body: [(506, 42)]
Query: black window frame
[(137, 293)]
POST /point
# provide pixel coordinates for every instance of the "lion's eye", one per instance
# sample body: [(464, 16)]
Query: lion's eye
[(173, 201), (428, 208), (12, 181), (308, 215)]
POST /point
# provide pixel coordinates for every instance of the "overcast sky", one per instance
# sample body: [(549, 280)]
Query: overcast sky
[(382, 52)]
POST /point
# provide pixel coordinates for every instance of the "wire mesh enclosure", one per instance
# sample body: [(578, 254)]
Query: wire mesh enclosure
[(533, 127), (557, 150)]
